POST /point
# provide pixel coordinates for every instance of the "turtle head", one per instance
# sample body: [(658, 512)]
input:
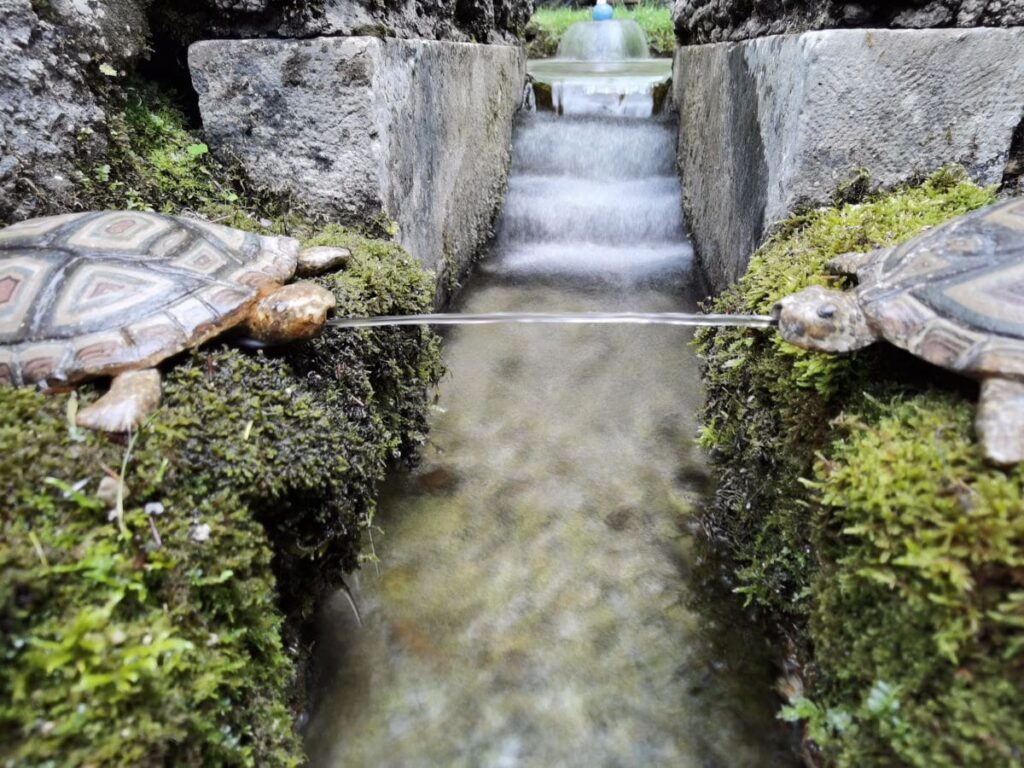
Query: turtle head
[(294, 312), (823, 320)]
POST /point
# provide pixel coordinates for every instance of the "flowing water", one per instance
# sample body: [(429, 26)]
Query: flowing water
[(594, 88), (541, 598)]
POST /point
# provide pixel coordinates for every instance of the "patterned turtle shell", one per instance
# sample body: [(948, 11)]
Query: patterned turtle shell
[(94, 294), (955, 295)]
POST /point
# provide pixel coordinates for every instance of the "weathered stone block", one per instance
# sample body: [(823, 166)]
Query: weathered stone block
[(776, 124), (356, 127)]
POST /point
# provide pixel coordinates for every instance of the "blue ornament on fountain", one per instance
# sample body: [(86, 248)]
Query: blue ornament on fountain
[(602, 11)]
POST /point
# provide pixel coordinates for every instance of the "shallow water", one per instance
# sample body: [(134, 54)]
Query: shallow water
[(541, 599)]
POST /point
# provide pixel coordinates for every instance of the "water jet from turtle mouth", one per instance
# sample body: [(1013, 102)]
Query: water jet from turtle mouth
[(685, 319)]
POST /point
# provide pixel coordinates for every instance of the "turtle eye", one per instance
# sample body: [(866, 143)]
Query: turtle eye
[(827, 311)]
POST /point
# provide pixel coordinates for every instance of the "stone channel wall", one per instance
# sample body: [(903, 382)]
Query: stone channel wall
[(415, 131), (65, 65), (772, 126), (712, 21)]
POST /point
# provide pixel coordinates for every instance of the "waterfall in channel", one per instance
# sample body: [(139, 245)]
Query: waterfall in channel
[(540, 597)]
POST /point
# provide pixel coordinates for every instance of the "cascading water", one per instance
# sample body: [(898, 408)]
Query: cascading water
[(592, 198), (540, 597)]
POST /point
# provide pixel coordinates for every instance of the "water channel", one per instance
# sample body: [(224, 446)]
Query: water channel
[(541, 598)]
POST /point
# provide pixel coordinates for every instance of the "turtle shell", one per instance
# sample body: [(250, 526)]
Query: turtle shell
[(92, 294), (955, 294)]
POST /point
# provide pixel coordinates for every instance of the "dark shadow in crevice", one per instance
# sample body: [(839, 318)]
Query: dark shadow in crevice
[(1012, 180)]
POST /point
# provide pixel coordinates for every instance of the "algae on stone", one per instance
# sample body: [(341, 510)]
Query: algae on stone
[(859, 512)]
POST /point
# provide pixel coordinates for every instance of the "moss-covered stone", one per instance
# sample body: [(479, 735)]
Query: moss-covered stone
[(164, 627), (158, 646), (860, 514)]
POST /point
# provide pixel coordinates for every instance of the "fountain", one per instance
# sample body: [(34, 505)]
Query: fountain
[(602, 67)]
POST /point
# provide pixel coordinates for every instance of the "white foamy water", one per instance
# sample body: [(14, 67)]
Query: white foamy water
[(611, 40)]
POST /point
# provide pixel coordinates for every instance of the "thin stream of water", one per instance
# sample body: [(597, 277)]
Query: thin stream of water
[(688, 319), (541, 597)]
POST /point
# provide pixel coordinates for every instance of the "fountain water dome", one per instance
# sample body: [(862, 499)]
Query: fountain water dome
[(606, 40)]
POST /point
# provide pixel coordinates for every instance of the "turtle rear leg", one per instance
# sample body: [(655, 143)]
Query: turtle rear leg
[(132, 396), (1000, 421)]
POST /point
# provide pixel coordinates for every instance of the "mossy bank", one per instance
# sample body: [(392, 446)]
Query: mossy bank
[(160, 621), (855, 502)]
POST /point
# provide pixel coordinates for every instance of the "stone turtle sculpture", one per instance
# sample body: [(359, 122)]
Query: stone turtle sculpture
[(953, 296), (113, 293)]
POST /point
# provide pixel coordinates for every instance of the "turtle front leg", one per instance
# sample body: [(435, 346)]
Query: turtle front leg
[(1000, 421), (320, 259), (853, 263), (132, 396)]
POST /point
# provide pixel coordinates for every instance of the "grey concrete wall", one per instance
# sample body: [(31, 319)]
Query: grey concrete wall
[(356, 127), (770, 126)]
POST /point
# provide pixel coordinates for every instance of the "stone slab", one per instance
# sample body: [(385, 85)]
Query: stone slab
[(771, 126), (359, 127)]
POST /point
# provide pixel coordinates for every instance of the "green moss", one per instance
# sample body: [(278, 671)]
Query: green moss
[(922, 546), (860, 514), (547, 25), (153, 162), (176, 641)]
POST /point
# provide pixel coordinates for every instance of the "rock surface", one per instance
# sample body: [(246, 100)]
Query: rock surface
[(708, 21), (458, 20), (361, 128), (771, 126), (54, 58)]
